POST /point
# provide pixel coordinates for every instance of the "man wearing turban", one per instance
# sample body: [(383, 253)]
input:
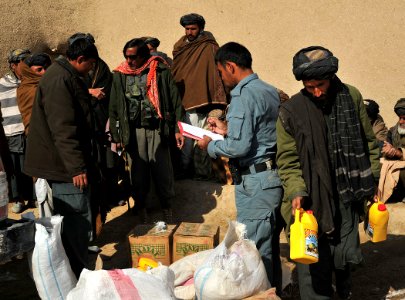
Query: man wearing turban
[(376, 120), (328, 161), (32, 70), (392, 181), (199, 83), (153, 43)]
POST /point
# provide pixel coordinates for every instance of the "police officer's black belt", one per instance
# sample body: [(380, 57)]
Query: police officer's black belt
[(260, 167)]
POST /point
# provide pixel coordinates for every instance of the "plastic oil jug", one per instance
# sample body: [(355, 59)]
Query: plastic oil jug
[(145, 264), (377, 222), (304, 238)]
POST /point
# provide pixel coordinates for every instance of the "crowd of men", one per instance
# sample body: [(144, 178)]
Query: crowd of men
[(72, 126)]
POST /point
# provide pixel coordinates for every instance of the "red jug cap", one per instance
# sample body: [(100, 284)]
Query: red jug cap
[(309, 212), (382, 207)]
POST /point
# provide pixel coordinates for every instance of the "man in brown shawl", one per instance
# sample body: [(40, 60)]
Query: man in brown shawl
[(198, 82), (31, 72)]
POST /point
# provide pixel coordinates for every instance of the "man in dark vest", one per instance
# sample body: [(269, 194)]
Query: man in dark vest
[(328, 161)]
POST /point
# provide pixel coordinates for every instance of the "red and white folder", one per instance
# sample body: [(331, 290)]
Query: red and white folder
[(197, 133)]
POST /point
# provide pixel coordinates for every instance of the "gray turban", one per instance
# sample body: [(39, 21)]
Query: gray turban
[(191, 19), (15, 56), (399, 108), (314, 62)]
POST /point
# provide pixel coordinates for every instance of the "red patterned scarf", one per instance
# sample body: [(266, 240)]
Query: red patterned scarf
[(151, 81)]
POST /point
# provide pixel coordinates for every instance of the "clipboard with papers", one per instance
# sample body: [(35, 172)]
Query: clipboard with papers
[(197, 133)]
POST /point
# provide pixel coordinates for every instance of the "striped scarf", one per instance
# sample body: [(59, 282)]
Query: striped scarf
[(12, 120), (151, 81), (352, 165)]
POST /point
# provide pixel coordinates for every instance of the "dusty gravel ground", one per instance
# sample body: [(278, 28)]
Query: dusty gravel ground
[(381, 277)]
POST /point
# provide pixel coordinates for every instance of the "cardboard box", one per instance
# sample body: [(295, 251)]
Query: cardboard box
[(144, 241), (190, 238)]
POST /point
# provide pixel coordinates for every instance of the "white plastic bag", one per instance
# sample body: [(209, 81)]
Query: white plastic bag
[(185, 267), (125, 284), (184, 270), (51, 269), (44, 197), (234, 270)]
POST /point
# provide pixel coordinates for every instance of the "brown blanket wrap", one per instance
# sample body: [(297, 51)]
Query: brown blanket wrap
[(195, 72), (26, 93)]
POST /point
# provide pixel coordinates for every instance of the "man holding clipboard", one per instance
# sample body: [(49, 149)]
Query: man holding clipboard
[(250, 143)]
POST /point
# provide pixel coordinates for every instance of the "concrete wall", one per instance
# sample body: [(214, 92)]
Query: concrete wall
[(366, 35)]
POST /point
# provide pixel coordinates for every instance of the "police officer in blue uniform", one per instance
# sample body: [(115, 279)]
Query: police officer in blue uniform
[(250, 143)]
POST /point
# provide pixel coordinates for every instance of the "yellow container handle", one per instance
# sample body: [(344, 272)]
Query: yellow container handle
[(297, 215)]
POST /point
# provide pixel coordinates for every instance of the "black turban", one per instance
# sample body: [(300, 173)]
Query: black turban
[(372, 108), (314, 62), (38, 59), (154, 42), (191, 19), (399, 108)]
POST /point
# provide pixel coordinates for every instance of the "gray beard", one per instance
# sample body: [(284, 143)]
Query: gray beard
[(401, 130)]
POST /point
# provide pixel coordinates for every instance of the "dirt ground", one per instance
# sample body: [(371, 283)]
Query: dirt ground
[(381, 277)]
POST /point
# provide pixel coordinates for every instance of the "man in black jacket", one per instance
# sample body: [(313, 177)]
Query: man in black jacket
[(60, 146), (98, 81)]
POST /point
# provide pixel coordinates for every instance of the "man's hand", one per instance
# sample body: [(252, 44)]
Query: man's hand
[(97, 93), (203, 144), (387, 149), (80, 181), (377, 193), (179, 140), (297, 203), (390, 151), (217, 126)]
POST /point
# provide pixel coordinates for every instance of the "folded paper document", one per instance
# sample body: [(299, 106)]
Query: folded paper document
[(197, 133)]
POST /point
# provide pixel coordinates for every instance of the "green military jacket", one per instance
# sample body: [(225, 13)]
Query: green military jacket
[(170, 106)]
